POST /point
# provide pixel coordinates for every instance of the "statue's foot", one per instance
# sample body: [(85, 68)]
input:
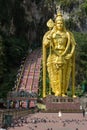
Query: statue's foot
[(57, 94), (74, 96), (63, 95)]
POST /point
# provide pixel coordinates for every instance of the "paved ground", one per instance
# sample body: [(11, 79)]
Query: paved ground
[(51, 121)]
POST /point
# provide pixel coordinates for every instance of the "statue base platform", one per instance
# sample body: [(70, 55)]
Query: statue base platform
[(65, 104)]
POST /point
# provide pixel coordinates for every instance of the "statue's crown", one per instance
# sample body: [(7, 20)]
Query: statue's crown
[(59, 17), (59, 14)]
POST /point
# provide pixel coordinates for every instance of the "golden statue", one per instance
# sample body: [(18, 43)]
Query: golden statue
[(60, 62)]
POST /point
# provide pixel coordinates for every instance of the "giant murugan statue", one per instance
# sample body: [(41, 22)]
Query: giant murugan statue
[(59, 62)]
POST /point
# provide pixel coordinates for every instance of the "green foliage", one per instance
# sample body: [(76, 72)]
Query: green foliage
[(70, 24), (15, 49), (83, 6), (69, 93), (79, 92), (8, 82), (12, 48), (1, 59), (81, 57)]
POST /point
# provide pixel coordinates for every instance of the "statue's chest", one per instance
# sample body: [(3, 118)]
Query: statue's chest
[(60, 40)]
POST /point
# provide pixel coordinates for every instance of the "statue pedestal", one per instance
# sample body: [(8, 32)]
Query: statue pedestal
[(65, 104)]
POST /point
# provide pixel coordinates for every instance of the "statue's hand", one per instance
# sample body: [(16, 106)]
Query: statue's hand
[(68, 56), (46, 43)]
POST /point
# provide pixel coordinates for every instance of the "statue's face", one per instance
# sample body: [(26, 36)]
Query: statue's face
[(59, 25)]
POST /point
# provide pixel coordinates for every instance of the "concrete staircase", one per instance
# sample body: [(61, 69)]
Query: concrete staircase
[(30, 77)]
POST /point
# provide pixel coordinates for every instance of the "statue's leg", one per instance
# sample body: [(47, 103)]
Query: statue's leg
[(57, 80), (54, 79), (64, 69), (60, 81), (67, 75), (49, 69)]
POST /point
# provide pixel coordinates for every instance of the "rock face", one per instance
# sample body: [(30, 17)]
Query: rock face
[(28, 18), (75, 13), (37, 13)]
